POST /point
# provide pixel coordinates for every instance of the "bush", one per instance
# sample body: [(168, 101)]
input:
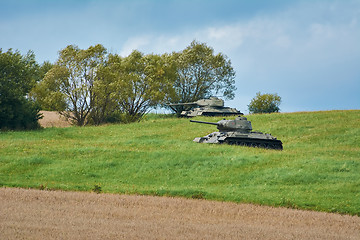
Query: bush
[(265, 103), (19, 114), (18, 75)]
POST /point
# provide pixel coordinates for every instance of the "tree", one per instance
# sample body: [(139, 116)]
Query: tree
[(141, 83), (104, 105), (18, 75), (69, 83), (43, 92), (265, 103), (200, 74)]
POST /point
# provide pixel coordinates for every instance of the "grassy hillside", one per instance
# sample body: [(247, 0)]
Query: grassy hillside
[(318, 169)]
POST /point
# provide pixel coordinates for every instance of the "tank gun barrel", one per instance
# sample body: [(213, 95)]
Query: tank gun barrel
[(182, 104), (212, 123)]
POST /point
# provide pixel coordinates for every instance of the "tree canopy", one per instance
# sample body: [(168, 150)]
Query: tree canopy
[(140, 81), (265, 103), (69, 83), (199, 73), (18, 75)]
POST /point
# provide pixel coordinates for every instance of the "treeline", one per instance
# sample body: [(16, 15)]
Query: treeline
[(92, 86)]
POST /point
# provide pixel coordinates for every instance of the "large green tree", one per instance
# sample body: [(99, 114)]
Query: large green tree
[(141, 82), (18, 75), (200, 73), (69, 84)]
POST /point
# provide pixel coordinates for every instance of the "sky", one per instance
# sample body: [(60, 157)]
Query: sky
[(306, 51)]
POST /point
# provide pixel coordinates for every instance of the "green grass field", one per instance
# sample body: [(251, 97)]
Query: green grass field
[(319, 168)]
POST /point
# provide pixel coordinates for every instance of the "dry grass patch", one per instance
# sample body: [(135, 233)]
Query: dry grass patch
[(53, 119)]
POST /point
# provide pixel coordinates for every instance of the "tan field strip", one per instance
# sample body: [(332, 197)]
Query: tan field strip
[(36, 214), (53, 119)]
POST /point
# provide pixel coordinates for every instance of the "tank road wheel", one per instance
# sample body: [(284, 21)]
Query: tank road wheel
[(253, 145), (263, 145), (230, 142)]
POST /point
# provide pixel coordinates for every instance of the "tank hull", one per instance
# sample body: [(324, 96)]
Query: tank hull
[(211, 112), (252, 139)]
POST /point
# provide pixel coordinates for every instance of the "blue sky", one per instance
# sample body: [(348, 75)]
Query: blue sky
[(308, 52)]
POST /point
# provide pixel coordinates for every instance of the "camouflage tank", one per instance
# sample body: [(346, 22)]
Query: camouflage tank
[(207, 107), (239, 132)]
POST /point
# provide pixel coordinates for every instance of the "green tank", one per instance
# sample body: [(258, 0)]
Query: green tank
[(207, 107), (239, 132)]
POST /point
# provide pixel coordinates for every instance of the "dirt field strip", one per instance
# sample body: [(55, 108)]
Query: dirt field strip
[(35, 214), (53, 119)]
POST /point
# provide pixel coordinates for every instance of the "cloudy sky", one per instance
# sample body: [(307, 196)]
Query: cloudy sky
[(308, 52)]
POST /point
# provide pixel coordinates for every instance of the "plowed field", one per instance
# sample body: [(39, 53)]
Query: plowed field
[(35, 214)]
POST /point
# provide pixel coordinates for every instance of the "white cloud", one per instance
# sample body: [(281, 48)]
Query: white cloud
[(156, 44), (135, 43)]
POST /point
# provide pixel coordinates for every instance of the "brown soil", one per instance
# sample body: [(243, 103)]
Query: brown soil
[(53, 119), (35, 214)]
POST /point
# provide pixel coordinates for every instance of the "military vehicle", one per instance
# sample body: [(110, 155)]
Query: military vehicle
[(239, 132), (207, 107)]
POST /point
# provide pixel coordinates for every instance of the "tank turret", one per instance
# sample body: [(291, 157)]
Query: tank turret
[(240, 124), (239, 132), (206, 107), (211, 102)]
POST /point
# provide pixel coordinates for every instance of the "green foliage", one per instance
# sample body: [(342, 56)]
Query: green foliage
[(18, 75), (91, 87), (199, 73), (68, 86), (104, 107), (265, 103), (45, 93), (140, 83), (317, 170), (19, 114)]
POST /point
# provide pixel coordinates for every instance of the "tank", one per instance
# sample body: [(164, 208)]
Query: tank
[(239, 132), (207, 107)]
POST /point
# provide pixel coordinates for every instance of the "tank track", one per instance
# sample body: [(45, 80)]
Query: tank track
[(261, 143)]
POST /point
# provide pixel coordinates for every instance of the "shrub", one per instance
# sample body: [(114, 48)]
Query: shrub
[(17, 76), (265, 103)]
